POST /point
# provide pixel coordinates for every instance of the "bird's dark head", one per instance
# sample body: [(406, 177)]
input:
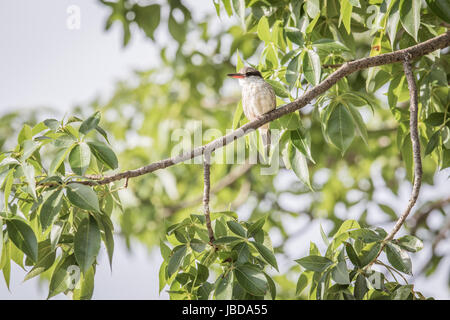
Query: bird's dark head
[(245, 72)]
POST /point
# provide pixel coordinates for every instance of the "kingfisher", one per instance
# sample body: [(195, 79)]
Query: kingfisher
[(258, 97)]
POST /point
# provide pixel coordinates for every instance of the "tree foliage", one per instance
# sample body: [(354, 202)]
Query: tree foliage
[(56, 216)]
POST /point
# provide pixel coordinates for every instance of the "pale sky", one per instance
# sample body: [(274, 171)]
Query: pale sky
[(43, 63)]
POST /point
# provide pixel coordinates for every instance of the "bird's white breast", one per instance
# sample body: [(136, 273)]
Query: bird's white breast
[(257, 97)]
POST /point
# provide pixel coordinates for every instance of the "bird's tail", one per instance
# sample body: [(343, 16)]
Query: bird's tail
[(266, 138)]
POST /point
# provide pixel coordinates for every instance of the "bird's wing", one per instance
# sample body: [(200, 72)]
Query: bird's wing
[(267, 98)]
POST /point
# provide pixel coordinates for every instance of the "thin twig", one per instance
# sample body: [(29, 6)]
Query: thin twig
[(414, 133), (206, 192), (422, 214), (441, 234), (390, 269), (226, 181), (346, 69)]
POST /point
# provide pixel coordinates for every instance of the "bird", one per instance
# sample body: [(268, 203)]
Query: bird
[(258, 97)]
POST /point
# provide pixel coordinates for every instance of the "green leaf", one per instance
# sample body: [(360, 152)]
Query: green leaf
[(398, 258), (218, 214), (46, 258), (177, 30), (86, 286), (263, 29), (224, 288), (83, 197), (236, 228), (347, 225), (441, 8), (1, 242), (311, 67), (197, 245), (267, 254), (346, 14), (393, 20), (239, 9), (299, 165), (302, 142), (324, 236), (302, 283), (388, 210), (237, 115), (227, 5), (410, 243), (313, 250), (226, 240), (290, 121), (220, 230), (435, 119), (279, 89), (148, 18), (295, 35), (403, 293), (17, 255), (365, 235), (107, 236), (55, 233), (314, 263), (328, 45), (293, 72), (239, 62), (79, 158), (242, 252), (162, 276), (397, 91), (178, 254), (359, 123), (50, 208), (59, 159), (272, 287), (340, 127), (23, 237), (251, 280), (52, 124), (351, 253), (340, 273), (28, 171), (202, 274), (104, 153), (87, 243), (410, 16), (369, 252), (61, 276), (90, 123), (360, 287), (24, 134), (165, 250), (102, 132), (433, 142), (5, 263), (29, 147), (256, 226), (312, 8)]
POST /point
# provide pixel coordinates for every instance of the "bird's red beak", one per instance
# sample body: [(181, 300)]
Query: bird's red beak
[(236, 75)]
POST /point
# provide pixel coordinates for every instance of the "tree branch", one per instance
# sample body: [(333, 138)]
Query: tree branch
[(346, 69), (441, 235), (422, 214), (413, 111), (206, 190), (226, 181)]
